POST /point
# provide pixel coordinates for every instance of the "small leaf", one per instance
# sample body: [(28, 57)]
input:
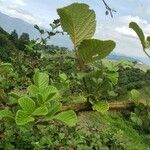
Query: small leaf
[(135, 96), (106, 12), (136, 119), (93, 49), (5, 68), (14, 95), (67, 117), (27, 104), (81, 75), (113, 77), (56, 21), (63, 77), (101, 106), (23, 118), (78, 99), (41, 80), (40, 111), (36, 27), (6, 114), (112, 93)]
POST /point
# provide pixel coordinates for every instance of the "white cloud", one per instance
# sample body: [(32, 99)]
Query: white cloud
[(126, 39), (14, 2), (137, 19), (13, 9), (19, 2), (124, 29), (144, 9)]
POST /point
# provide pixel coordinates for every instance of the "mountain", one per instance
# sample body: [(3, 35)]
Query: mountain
[(9, 24), (116, 56), (139, 60)]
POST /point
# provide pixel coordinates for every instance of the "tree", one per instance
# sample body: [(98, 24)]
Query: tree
[(2, 31), (14, 37), (6, 48), (23, 40)]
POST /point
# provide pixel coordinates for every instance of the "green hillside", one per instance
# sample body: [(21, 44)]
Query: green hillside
[(54, 98)]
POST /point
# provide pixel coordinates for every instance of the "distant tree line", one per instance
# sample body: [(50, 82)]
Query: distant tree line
[(10, 43), (132, 78)]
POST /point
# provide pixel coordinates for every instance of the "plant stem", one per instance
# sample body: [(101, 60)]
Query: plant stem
[(146, 53), (81, 68), (108, 8)]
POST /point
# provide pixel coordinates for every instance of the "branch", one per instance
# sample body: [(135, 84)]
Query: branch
[(109, 10)]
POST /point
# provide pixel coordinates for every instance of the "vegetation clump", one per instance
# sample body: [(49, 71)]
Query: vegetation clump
[(40, 83)]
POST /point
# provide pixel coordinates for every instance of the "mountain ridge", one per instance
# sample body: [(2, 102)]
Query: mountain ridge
[(9, 24)]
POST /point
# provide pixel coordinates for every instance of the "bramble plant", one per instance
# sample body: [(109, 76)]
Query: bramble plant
[(8, 77), (45, 35), (41, 103), (42, 85), (141, 115), (72, 19), (87, 50)]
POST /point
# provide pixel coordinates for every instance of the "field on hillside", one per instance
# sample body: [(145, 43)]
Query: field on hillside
[(52, 98)]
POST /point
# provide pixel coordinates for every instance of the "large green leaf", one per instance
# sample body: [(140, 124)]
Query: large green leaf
[(41, 80), (40, 111), (78, 21), (27, 104), (101, 106), (23, 118), (92, 49), (67, 117), (139, 32), (6, 114)]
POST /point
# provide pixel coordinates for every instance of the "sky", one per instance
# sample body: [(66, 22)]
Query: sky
[(43, 12)]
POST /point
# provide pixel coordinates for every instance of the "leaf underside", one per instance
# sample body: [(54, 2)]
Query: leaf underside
[(78, 21), (91, 50), (139, 32)]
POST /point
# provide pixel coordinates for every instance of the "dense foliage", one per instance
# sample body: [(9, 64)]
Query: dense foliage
[(40, 83), (132, 78)]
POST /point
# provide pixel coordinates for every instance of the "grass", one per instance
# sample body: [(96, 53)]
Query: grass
[(115, 125)]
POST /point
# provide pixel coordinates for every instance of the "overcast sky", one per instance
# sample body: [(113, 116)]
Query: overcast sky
[(43, 12)]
